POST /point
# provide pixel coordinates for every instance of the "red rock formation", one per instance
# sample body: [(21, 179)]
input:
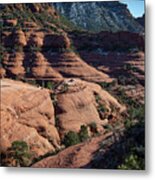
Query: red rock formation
[(73, 157), (27, 114), (19, 38), (70, 64), (14, 63), (42, 69), (77, 106)]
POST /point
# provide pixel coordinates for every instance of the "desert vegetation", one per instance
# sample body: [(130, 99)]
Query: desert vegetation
[(19, 154)]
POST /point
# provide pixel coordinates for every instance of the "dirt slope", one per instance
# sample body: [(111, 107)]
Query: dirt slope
[(73, 157)]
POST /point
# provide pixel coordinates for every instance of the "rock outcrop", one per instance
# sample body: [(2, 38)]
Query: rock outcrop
[(69, 64), (27, 114), (40, 68), (41, 48), (32, 51), (77, 105), (14, 63), (99, 16)]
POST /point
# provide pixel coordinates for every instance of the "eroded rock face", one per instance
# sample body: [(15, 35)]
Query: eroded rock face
[(99, 16), (27, 114), (14, 63), (69, 64), (40, 68), (77, 105)]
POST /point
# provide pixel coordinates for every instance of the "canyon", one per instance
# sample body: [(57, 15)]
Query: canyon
[(59, 80)]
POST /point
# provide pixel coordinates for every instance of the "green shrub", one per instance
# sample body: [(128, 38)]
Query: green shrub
[(128, 123), (57, 122), (97, 98), (71, 138), (18, 154), (32, 82), (83, 134), (132, 162), (49, 85), (122, 80), (108, 86), (101, 108), (35, 49), (108, 127), (137, 112), (21, 153), (93, 127)]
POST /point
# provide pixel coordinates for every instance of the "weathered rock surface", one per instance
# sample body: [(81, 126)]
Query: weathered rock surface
[(48, 53), (99, 16), (27, 114), (40, 68), (69, 64), (14, 63), (77, 105)]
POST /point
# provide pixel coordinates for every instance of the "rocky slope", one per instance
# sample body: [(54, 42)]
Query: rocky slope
[(34, 48), (27, 114), (73, 157), (70, 70), (99, 16), (78, 103)]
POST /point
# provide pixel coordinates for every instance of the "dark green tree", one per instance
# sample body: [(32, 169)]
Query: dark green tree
[(83, 134), (20, 153), (71, 138)]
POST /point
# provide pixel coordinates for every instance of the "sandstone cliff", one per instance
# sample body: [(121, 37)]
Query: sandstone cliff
[(27, 114)]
